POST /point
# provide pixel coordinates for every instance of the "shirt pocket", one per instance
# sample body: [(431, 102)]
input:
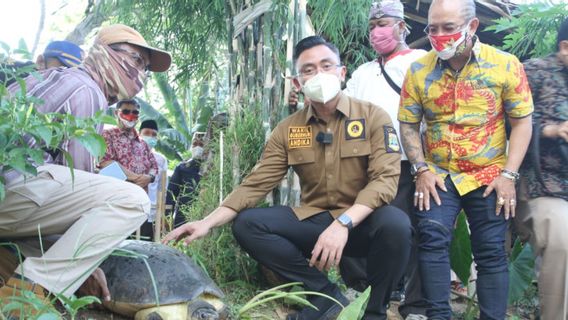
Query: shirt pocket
[(303, 162), (355, 149)]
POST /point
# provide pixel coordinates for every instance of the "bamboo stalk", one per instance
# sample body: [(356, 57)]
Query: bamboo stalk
[(160, 207)]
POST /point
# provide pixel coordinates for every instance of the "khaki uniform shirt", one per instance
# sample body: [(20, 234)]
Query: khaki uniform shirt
[(360, 166)]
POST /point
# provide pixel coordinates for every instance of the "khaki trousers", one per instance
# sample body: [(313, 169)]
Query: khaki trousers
[(92, 213), (544, 222)]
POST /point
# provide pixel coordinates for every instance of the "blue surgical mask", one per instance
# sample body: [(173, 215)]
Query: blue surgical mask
[(151, 141)]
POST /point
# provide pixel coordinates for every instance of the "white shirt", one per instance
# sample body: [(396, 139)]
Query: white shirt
[(369, 84), (154, 186)]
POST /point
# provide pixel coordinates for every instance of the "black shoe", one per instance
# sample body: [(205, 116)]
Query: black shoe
[(327, 309)]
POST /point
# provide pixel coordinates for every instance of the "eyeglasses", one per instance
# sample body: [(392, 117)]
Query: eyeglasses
[(139, 61), (311, 70), (445, 29), (128, 111)]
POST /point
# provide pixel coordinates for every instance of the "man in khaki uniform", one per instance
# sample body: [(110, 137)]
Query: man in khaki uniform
[(347, 156)]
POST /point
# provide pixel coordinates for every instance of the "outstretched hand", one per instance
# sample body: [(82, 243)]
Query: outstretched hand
[(190, 231), (328, 249), (96, 285)]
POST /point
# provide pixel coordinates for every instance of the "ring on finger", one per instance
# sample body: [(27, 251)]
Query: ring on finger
[(501, 201), (513, 202), (416, 194), (421, 195)]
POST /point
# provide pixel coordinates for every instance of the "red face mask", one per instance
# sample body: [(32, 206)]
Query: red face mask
[(129, 117)]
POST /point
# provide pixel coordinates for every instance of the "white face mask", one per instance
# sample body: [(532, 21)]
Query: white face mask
[(128, 124), (196, 152), (322, 87)]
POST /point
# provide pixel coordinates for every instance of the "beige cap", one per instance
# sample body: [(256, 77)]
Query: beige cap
[(160, 60)]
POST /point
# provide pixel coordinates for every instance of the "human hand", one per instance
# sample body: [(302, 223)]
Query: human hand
[(191, 231), (426, 184), (506, 196), (142, 180), (556, 131), (95, 285), (293, 96), (329, 246)]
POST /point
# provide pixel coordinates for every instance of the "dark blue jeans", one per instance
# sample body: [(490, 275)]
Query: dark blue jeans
[(435, 228)]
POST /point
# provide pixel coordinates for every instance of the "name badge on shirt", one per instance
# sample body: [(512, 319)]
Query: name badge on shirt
[(355, 129), (299, 137), (391, 140)]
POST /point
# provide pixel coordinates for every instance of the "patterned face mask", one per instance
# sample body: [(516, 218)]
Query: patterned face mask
[(448, 46), (114, 72)]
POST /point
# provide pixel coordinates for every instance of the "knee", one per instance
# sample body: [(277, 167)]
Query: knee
[(490, 257), (129, 195), (244, 223), (432, 235), (395, 228)]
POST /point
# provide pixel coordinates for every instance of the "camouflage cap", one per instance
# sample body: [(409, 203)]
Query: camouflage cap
[(386, 8), (160, 60)]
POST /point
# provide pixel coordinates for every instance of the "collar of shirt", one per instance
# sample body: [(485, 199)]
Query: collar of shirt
[(342, 107), (130, 133)]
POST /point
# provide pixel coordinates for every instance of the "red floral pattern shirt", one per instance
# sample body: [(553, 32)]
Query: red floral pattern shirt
[(126, 148)]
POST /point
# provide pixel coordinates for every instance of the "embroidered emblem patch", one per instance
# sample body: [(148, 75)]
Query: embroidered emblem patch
[(299, 137), (355, 129), (391, 140)]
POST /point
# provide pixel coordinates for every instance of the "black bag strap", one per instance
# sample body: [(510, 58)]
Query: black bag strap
[(389, 80)]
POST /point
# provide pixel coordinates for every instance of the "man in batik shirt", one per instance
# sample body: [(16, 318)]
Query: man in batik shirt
[(462, 89), (126, 147), (543, 210)]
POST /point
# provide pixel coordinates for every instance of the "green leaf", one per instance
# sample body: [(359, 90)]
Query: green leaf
[(49, 316), (460, 250), (45, 133), (2, 192), (521, 270), (356, 309), (94, 143)]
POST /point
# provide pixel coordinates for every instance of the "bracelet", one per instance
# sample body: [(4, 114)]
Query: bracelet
[(511, 175), (419, 173)]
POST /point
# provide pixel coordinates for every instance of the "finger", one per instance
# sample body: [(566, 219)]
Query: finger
[(426, 199), (420, 200), (103, 285), (416, 199), (513, 207), (315, 254), (488, 190), (499, 205), (440, 183), (323, 260), (507, 208), (434, 194)]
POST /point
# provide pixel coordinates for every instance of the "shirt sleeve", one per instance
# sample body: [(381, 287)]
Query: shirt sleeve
[(384, 162), (264, 177), (516, 95), (152, 160), (109, 154), (410, 109)]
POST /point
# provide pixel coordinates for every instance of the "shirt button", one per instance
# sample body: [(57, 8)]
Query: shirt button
[(300, 158), (355, 150), (329, 176), (328, 130), (328, 153)]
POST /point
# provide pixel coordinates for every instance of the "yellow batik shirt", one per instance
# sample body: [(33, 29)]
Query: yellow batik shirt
[(464, 112)]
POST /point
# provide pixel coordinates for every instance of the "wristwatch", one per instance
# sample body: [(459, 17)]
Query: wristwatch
[(417, 166), (345, 221)]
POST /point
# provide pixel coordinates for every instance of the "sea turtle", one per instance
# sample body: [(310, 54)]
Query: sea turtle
[(183, 290)]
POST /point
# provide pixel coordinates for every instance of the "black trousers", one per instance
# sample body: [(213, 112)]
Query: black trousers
[(277, 239)]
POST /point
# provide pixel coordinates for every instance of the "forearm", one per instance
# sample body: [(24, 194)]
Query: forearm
[(521, 130), (410, 136), (220, 216), (358, 213)]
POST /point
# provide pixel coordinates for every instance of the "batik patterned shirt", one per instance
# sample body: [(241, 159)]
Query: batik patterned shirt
[(548, 80), (128, 149), (464, 112)]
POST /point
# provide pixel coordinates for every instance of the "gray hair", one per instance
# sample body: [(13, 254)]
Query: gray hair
[(468, 9)]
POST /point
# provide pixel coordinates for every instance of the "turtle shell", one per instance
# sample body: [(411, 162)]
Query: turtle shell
[(177, 278)]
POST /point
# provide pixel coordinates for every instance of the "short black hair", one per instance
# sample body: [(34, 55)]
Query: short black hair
[(127, 101), (150, 124), (313, 41), (562, 34)]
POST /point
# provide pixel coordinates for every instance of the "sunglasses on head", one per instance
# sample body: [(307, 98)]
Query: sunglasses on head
[(128, 111)]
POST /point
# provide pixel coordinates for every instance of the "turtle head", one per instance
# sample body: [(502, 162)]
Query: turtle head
[(201, 310)]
